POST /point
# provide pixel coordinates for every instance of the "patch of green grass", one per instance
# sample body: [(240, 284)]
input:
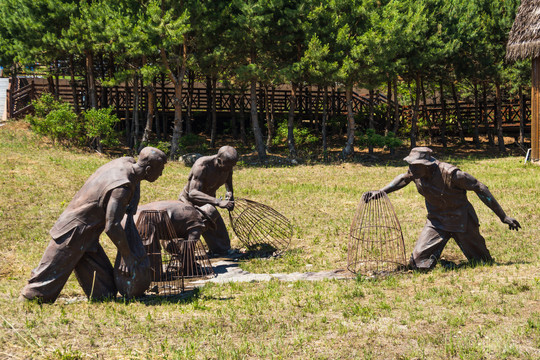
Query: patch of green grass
[(482, 312)]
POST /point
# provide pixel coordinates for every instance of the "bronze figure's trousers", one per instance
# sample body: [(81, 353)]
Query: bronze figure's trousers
[(78, 250), (432, 241), (218, 240)]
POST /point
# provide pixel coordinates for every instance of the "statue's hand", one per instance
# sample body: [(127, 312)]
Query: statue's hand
[(229, 196), (127, 267), (512, 223), (372, 195), (226, 204)]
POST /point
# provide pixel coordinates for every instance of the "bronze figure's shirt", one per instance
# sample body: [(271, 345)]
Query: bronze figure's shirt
[(89, 205), (447, 205)]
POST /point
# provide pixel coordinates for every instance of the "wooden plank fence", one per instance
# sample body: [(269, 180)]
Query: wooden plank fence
[(309, 103)]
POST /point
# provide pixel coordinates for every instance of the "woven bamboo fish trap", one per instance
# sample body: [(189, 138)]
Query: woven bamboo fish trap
[(259, 227), (376, 245), (172, 259), (155, 227), (191, 256)]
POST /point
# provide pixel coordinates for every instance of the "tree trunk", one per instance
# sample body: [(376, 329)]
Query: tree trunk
[(234, 127), (498, 117), (388, 122), (191, 88), (290, 123), (151, 95), (414, 120), (135, 123), (259, 143), (213, 133), (317, 104), (425, 112), (56, 79), (269, 123), (476, 135), (458, 114), (178, 120), (324, 121), (443, 116), (164, 107), (371, 119), (92, 94), (104, 92), (242, 117), (127, 114), (50, 84), (396, 106), (486, 116), (522, 115), (348, 150), (73, 84), (208, 124)]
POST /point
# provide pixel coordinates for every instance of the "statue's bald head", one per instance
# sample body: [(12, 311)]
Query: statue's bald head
[(151, 155), (227, 156)]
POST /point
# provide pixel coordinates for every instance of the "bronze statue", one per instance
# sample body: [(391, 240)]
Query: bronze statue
[(450, 214), (100, 205), (207, 175)]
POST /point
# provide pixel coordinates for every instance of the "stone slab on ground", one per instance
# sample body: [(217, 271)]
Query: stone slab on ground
[(228, 270)]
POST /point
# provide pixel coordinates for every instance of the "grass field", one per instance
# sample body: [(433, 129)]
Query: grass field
[(483, 312)]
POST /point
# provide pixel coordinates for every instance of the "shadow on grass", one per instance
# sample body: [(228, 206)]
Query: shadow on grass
[(450, 265), (454, 153)]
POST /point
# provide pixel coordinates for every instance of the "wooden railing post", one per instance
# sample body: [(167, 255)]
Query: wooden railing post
[(10, 99), (535, 110)]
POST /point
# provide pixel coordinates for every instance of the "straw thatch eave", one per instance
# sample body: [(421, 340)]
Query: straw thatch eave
[(524, 38)]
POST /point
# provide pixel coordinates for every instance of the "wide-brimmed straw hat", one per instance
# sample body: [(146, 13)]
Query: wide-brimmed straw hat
[(211, 214), (420, 155)]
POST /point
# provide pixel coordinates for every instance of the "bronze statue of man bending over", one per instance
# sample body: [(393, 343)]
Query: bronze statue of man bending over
[(450, 214), (99, 206)]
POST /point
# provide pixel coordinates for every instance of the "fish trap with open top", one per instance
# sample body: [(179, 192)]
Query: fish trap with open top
[(259, 227), (191, 256), (155, 228), (376, 245)]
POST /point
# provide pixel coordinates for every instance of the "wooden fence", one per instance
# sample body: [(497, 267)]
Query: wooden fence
[(309, 103)]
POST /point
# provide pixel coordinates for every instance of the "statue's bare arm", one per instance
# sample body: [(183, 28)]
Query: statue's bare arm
[(229, 195), (116, 209), (466, 181), (198, 197), (399, 182)]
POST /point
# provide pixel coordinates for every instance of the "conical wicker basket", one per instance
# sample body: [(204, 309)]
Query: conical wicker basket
[(376, 245), (259, 227)]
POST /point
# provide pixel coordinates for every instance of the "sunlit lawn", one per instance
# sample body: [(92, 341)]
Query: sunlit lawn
[(480, 312)]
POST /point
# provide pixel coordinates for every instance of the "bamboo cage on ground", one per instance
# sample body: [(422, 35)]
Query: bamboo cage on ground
[(376, 245), (172, 259), (259, 227)]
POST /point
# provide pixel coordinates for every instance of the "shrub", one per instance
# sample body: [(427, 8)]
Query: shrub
[(64, 126), (45, 104), (99, 126), (56, 119), (192, 142), (302, 136), (377, 140)]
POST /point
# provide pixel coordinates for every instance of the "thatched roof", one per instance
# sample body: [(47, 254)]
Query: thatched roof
[(524, 38)]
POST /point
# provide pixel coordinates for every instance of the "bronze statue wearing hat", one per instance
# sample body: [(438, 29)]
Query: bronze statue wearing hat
[(207, 175), (450, 214), (99, 206)]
